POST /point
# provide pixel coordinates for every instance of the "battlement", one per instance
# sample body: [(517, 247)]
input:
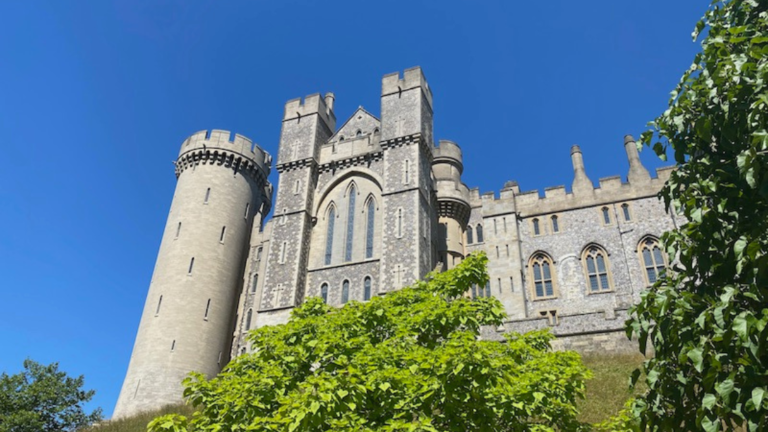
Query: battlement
[(223, 145), (412, 78), (312, 104)]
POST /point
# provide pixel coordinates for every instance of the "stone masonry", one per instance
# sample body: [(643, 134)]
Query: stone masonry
[(367, 208)]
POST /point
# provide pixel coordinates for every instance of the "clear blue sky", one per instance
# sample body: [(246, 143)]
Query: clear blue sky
[(96, 97)]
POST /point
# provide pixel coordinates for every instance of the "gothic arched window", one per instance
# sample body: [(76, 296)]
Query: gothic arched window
[(324, 292), (652, 259), (479, 233), (542, 275), (345, 292), (350, 223), (367, 288), (329, 236), (596, 267), (369, 228), (470, 240)]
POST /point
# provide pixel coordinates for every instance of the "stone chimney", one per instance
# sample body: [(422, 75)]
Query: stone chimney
[(581, 183), (637, 172)]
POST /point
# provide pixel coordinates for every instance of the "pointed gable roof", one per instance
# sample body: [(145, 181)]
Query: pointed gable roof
[(362, 121)]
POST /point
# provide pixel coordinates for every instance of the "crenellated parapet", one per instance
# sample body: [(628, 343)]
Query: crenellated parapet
[(412, 78), (223, 148)]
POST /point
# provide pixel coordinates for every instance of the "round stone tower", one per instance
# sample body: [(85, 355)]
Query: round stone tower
[(188, 317), (453, 202)]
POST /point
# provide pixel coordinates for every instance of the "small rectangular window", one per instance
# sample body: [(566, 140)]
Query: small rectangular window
[(555, 224), (606, 216), (223, 233), (207, 195), (625, 209), (536, 228)]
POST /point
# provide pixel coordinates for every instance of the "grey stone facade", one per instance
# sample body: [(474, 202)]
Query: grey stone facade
[(376, 204)]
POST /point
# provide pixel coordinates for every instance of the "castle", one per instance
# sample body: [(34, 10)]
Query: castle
[(367, 208)]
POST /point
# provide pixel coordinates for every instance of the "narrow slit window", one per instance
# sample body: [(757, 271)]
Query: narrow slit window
[(507, 250), (407, 174), (469, 234), (255, 282), (505, 224), (345, 292), (223, 233), (536, 227), (367, 288), (369, 229), (606, 216), (499, 281), (247, 209), (350, 224), (258, 254), (329, 236), (191, 265), (207, 195), (511, 285), (324, 292), (495, 230), (159, 303), (248, 319), (555, 224), (497, 252), (282, 252), (625, 210), (399, 222), (218, 361), (207, 309), (173, 345), (297, 186), (488, 289), (178, 230)]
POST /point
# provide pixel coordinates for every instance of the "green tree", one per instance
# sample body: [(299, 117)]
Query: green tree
[(706, 319), (43, 399), (411, 360)]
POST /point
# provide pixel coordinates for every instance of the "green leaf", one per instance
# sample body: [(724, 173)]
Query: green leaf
[(709, 401), (695, 355), (724, 388), (757, 397)]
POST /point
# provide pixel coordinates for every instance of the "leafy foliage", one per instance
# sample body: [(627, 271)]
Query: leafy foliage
[(707, 317), (411, 360), (42, 398)]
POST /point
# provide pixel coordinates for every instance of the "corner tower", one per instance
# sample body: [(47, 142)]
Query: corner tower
[(187, 320)]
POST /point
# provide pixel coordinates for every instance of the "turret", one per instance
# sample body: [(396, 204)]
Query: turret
[(453, 202), (187, 320), (637, 172), (581, 183)]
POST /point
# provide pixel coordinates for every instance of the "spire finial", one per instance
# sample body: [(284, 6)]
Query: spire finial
[(581, 183)]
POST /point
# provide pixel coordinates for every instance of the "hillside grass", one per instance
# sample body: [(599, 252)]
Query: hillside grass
[(606, 394)]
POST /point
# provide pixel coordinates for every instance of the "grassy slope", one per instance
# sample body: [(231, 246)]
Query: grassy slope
[(606, 394)]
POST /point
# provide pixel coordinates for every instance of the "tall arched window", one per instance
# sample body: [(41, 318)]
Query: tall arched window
[(329, 236), (367, 288), (542, 273), (596, 267), (625, 210), (350, 223), (606, 215), (345, 292), (536, 227), (369, 228), (479, 233), (470, 240), (652, 259), (324, 292)]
